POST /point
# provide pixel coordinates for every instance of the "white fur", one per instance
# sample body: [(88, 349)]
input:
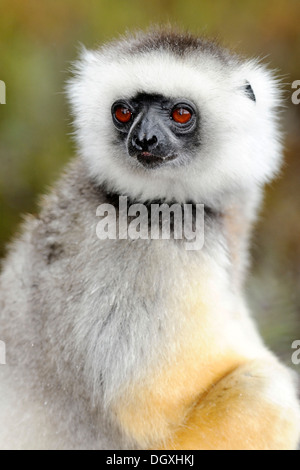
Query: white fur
[(240, 139)]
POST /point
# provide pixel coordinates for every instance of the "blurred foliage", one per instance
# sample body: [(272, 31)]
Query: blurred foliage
[(38, 41)]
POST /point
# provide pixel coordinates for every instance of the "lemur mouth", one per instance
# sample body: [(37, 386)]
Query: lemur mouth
[(148, 160)]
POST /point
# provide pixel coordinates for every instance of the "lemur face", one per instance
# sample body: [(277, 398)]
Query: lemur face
[(157, 131), (194, 123)]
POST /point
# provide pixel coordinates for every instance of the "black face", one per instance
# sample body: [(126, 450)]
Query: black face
[(157, 130)]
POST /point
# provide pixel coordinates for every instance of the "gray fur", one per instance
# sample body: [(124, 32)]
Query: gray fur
[(82, 316)]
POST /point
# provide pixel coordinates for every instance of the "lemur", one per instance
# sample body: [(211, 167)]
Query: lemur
[(143, 344)]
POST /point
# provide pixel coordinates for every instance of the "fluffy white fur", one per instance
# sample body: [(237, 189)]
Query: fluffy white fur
[(240, 140)]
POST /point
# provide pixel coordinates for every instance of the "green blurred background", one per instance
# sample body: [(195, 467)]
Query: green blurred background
[(39, 40)]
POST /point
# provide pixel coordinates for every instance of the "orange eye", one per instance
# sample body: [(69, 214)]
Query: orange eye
[(181, 115), (123, 114)]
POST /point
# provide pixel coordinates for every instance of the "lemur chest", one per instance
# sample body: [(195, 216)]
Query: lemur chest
[(202, 350)]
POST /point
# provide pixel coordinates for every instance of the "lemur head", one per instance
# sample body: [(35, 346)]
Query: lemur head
[(171, 116)]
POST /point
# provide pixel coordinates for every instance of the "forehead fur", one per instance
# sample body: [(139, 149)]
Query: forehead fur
[(170, 40), (164, 62)]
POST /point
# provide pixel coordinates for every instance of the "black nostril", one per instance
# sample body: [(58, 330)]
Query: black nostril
[(145, 144), (152, 142)]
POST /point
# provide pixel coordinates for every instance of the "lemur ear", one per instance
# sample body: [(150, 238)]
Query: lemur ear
[(249, 91)]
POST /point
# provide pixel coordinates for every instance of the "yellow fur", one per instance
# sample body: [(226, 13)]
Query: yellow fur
[(211, 343), (198, 396), (239, 414)]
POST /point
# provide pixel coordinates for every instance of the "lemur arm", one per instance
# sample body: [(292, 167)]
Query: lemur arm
[(253, 408)]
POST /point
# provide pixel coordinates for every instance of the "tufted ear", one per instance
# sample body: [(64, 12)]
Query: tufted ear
[(249, 91)]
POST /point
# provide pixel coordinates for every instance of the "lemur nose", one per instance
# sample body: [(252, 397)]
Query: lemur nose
[(145, 145)]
